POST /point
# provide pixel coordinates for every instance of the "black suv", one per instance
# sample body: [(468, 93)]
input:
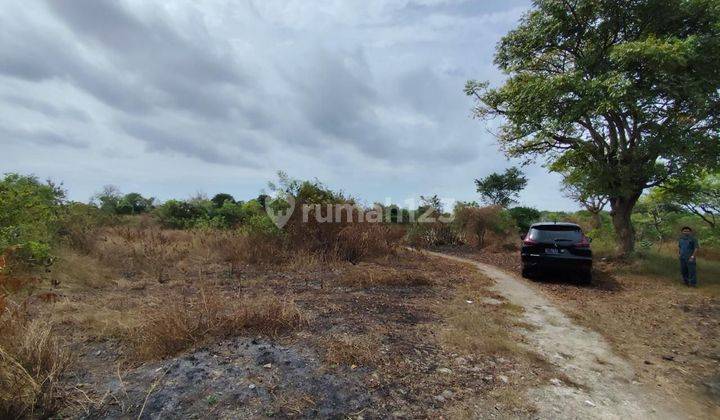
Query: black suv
[(555, 247)]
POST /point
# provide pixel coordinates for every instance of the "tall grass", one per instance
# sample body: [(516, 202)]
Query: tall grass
[(178, 323), (665, 265), (32, 360)]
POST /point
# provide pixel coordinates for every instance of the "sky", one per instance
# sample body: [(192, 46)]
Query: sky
[(175, 98)]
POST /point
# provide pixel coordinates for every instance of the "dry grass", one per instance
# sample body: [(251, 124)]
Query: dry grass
[(80, 271), (352, 350), (177, 323), (372, 275), (32, 360), (237, 248), (476, 325)]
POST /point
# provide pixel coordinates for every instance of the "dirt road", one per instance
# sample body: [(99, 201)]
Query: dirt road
[(598, 383)]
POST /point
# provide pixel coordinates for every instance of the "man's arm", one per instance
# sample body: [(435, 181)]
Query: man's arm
[(696, 245)]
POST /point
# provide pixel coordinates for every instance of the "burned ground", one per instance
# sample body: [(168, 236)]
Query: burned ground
[(402, 335)]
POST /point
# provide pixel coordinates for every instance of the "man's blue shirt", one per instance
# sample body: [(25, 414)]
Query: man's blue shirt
[(687, 245)]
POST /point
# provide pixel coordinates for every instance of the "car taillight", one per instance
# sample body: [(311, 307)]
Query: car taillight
[(528, 241), (584, 243)]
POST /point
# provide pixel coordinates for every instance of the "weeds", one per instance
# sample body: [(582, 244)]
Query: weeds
[(32, 361), (177, 324), (476, 327), (351, 350)]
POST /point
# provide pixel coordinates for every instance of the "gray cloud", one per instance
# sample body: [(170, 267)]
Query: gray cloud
[(159, 140), (126, 62), (232, 87), (40, 138), (48, 110)]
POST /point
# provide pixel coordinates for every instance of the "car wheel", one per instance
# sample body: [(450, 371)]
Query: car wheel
[(586, 277), (526, 273)]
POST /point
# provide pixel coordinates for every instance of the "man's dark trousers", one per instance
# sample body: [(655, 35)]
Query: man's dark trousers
[(689, 272)]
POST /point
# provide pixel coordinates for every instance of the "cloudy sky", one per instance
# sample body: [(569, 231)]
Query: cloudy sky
[(179, 97)]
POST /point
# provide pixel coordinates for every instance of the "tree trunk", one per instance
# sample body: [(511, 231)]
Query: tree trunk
[(622, 208), (597, 219)]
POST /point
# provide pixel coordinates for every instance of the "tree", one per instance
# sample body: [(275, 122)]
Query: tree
[(700, 196), (578, 190), (219, 199), (524, 217), (501, 189), (432, 203), (107, 199), (658, 212), (133, 203), (29, 217), (625, 91), (263, 199)]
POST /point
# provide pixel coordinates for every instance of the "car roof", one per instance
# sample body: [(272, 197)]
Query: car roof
[(541, 224)]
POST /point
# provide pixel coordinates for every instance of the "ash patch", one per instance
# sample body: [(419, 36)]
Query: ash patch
[(240, 377)]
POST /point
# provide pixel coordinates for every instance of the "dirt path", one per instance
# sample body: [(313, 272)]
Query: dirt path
[(604, 384)]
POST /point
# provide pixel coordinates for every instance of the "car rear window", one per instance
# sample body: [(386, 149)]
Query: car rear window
[(553, 233)]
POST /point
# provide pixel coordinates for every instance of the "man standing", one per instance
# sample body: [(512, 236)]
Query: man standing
[(687, 248)]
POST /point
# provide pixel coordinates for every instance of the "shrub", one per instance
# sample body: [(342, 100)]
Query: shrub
[(29, 214), (476, 223), (79, 224), (524, 217), (357, 241), (261, 225), (229, 214), (431, 234), (180, 214)]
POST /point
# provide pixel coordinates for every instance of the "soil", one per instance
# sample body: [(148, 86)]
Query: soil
[(665, 333), (400, 367)]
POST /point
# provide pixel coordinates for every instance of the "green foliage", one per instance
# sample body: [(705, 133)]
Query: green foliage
[(112, 201), (626, 93), (180, 214), (260, 225), (524, 217), (305, 192), (220, 199), (79, 223), (107, 199), (501, 189), (29, 214), (699, 195), (133, 203), (199, 213)]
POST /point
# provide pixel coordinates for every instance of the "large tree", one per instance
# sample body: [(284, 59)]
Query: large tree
[(626, 91)]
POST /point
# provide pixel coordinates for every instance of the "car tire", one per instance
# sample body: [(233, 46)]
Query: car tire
[(586, 277), (526, 273)]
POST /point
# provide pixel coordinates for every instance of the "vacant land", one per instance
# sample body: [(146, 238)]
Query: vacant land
[(144, 316), (670, 333), (190, 323)]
